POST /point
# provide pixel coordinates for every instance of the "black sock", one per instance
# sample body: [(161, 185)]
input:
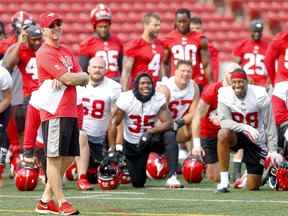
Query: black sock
[(236, 170)]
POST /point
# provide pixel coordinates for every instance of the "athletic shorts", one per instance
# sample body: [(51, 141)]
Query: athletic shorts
[(254, 155), (61, 137), (209, 145)]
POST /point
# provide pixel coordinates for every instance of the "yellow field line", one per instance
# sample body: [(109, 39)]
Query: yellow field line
[(112, 213)]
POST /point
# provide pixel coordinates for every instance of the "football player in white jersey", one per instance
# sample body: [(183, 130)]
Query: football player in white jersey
[(97, 99), (140, 109), (182, 95), (246, 121)]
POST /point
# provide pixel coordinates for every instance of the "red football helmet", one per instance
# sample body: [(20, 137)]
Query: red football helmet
[(101, 12), (26, 178), (21, 18), (108, 175), (282, 177), (71, 172), (193, 169), (157, 166)]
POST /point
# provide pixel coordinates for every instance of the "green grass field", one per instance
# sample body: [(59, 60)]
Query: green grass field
[(154, 200)]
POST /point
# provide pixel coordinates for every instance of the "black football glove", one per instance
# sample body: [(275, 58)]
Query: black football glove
[(177, 124), (145, 140)]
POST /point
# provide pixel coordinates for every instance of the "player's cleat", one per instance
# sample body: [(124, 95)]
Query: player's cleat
[(66, 208), (83, 184), (222, 188), (47, 208), (173, 182)]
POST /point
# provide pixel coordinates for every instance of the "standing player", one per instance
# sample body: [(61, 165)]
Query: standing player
[(23, 55), (182, 95), (102, 43), (18, 20), (196, 26), (144, 54), (182, 44), (5, 100), (97, 99), (250, 54), (139, 109), (205, 125), (246, 121), (276, 58), (58, 112)]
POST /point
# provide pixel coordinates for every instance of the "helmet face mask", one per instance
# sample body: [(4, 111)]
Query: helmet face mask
[(108, 172), (20, 20)]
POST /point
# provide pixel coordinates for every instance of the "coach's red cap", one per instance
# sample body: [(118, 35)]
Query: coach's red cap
[(46, 19)]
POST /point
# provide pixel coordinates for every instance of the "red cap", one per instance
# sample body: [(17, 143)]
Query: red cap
[(46, 19)]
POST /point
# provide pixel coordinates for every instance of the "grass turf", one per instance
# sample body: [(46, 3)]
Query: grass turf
[(154, 200)]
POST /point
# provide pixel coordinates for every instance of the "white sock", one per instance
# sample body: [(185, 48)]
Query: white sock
[(224, 178)]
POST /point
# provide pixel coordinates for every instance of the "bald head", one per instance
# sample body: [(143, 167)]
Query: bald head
[(96, 69)]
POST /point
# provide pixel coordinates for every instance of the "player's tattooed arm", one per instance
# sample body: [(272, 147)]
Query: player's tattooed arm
[(206, 60), (128, 63), (166, 121)]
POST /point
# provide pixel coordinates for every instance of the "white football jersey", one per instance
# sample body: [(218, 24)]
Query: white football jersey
[(248, 110), (97, 102), (180, 100), (139, 116)]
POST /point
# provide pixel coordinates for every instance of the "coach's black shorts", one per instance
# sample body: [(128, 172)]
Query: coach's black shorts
[(209, 145), (253, 156), (61, 137)]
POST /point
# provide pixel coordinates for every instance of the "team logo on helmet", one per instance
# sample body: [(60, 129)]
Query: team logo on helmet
[(157, 166)]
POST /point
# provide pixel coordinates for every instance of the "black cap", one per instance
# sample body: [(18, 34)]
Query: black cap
[(257, 25)]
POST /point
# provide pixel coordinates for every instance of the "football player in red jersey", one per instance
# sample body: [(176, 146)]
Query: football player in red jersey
[(246, 121), (23, 55), (18, 20), (205, 125), (277, 52), (196, 26), (183, 44), (102, 43), (144, 54), (250, 53)]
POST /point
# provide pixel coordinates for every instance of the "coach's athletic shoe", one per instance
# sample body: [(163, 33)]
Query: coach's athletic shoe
[(173, 182), (83, 184), (47, 208), (222, 189), (66, 208)]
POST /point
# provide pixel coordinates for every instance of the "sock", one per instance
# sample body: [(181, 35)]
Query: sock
[(236, 170), (44, 200), (224, 178)]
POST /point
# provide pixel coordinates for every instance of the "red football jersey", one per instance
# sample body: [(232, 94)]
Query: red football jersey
[(5, 43), (209, 96), (214, 52), (110, 50), (147, 57), (278, 51), (52, 63), (185, 48), (28, 68), (252, 54)]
